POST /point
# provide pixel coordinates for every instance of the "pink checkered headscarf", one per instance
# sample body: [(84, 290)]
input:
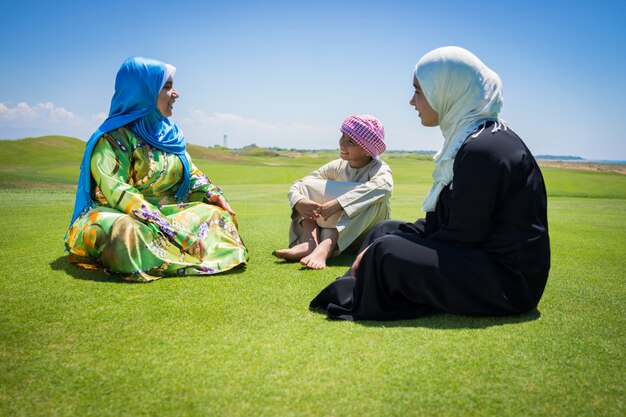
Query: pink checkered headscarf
[(367, 131)]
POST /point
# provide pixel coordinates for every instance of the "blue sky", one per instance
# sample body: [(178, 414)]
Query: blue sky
[(286, 73)]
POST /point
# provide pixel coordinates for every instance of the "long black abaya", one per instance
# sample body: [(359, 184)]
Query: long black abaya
[(484, 250)]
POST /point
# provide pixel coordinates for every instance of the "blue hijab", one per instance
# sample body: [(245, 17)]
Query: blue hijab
[(134, 103)]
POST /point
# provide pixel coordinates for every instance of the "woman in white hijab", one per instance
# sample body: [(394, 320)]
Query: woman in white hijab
[(483, 248)]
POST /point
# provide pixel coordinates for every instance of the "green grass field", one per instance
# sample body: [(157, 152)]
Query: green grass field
[(79, 343)]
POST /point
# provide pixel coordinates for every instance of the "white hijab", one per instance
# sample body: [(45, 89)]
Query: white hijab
[(465, 93)]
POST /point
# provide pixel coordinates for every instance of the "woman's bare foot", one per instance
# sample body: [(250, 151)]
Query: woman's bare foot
[(357, 262), (297, 252)]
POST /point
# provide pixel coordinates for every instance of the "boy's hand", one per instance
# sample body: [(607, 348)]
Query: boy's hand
[(329, 208), (308, 209)]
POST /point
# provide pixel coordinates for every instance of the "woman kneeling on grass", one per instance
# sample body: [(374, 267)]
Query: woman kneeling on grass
[(483, 248), (335, 206), (143, 210)]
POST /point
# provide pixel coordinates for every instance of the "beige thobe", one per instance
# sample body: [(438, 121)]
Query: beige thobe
[(363, 193)]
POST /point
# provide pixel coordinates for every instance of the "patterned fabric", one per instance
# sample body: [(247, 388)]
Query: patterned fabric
[(367, 131), (137, 227)]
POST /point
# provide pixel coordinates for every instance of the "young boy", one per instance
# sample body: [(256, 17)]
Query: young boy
[(335, 206)]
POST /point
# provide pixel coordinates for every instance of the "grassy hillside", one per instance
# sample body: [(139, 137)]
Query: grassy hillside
[(81, 343), (52, 163), (47, 162)]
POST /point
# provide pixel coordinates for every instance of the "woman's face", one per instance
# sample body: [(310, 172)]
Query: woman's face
[(426, 113), (167, 98)]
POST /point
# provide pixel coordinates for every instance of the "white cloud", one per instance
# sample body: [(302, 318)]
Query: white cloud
[(39, 115), (209, 130), (97, 119), (23, 120), (44, 119)]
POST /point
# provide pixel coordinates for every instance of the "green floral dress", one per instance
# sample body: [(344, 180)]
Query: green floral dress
[(136, 227)]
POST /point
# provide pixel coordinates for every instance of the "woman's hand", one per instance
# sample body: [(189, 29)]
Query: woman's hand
[(197, 249), (220, 201), (329, 208), (309, 209), (357, 262)]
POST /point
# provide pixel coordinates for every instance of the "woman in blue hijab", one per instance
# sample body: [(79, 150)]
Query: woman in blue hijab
[(143, 210)]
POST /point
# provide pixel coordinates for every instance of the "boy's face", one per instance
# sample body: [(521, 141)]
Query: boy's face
[(351, 151)]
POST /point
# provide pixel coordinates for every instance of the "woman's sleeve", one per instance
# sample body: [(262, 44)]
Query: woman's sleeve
[(110, 168), (325, 172), (378, 188), (479, 178), (200, 186)]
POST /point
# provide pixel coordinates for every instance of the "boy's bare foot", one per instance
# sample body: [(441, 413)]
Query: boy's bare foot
[(296, 253), (315, 260)]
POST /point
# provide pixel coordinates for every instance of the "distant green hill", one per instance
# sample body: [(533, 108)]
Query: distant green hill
[(41, 150), (46, 162), (560, 157), (52, 163)]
